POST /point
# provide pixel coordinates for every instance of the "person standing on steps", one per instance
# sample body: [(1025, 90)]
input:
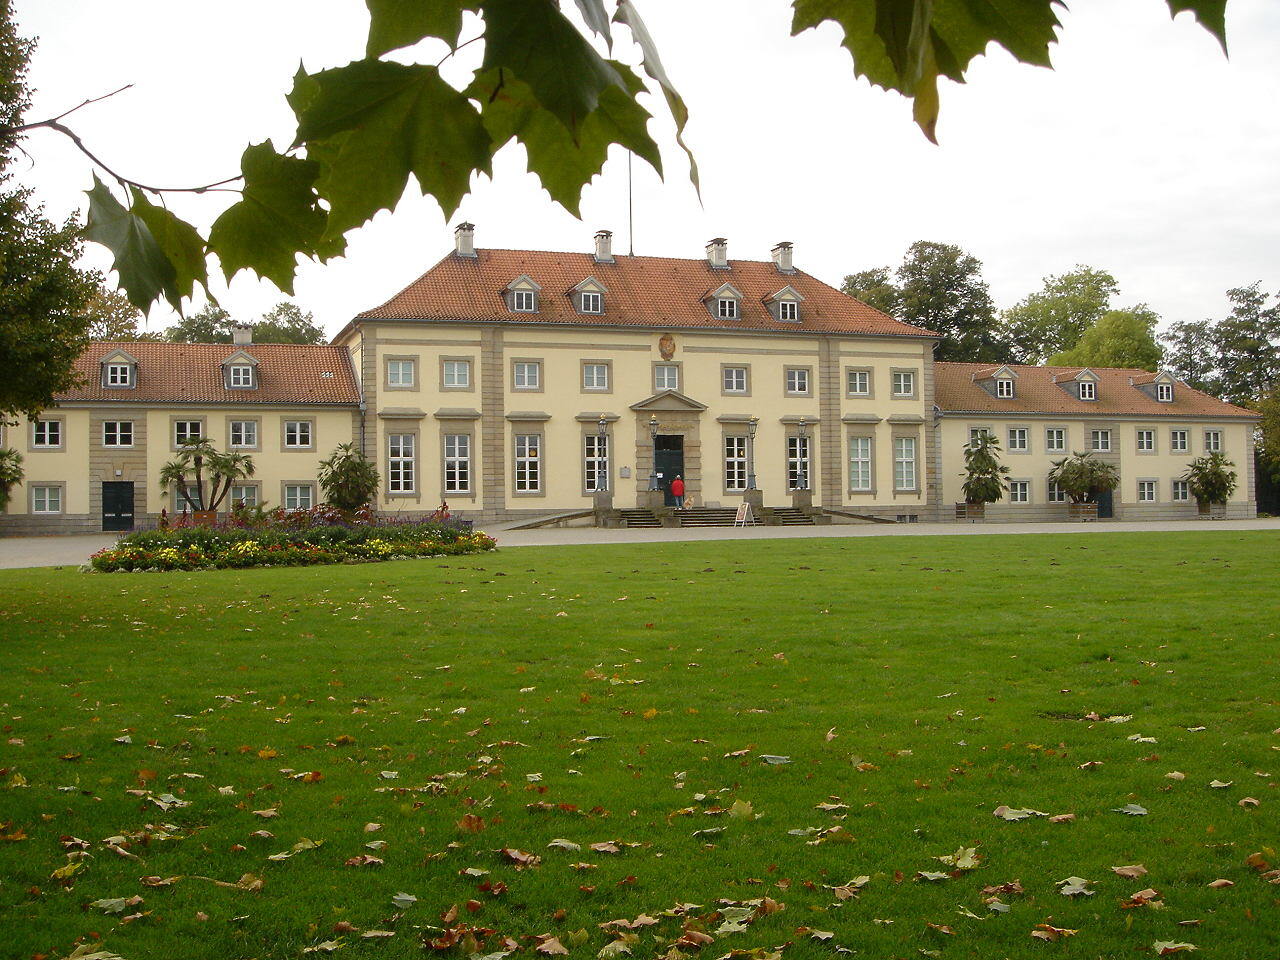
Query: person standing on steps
[(677, 491)]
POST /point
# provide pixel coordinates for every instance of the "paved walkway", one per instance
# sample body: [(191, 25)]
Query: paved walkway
[(72, 551)]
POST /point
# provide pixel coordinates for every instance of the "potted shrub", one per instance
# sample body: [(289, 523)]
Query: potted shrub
[(10, 474), (984, 476), (1082, 478), (1211, 481), (197, 458), (349, 478)]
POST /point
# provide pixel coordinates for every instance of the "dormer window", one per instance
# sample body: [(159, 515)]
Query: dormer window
[(1164, 392), (118, 375), (1088, 390), (524, 301), (788, 310), (592, 303), (785, 304), (241, 376), (1004, 388), (726, 308)]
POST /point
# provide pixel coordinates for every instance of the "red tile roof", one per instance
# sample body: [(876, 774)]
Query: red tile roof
[(650, 292), (192, 373), (1038, 390)]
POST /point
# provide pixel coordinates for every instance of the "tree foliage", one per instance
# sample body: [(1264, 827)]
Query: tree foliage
[(984, 474), (1120, 338), (1082, 476), (284, 323), (1237, 357), (368, 128), (938, 286), (349, 478), (1211, 479), (198, 460), (10, 473), (1054, 318), (113, 317)]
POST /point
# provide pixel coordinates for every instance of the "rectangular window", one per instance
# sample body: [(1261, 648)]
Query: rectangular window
[(186, 496), (860, 463), (595, 376), (526, 375), (1088, 390), (241, 375), (592, 303), (528, 463), (117, 433), (797, 380), (666, 376), (1181, 491), (976, 432), (1019, 491), (1146, 441), (46, 499), (400, 463), (904, 463), (1146, 491), (117, 374), (788, 310), (457, 463), (297, 433), (244, 433), (596, 463), (244, 495), (797, 463), (1100, 441), (904, 383), (186, 431), (735, 463), (1057, 494), (1004, 388), (1213, 441), (858, 383), (1164, 392), (1178, 441), (524, 301), (1018, 440), (456, 374), (735, 379), (727, 308), (46, 433), (1055, 440), (401, 374), (298, 496)]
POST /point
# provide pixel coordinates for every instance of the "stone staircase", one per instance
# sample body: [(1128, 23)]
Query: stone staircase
[(791, 517), (709, 517), (639, 518)]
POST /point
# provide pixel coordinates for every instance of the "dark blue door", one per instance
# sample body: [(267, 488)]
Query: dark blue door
[(1105, 508), (117, 506), (668, 462)]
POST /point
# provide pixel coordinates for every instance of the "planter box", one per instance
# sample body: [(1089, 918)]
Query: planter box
[(971, 511), (1082, 511), (1212, 511), (204, 517)]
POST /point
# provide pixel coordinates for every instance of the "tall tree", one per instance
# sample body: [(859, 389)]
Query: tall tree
[(286, 323), (1248, 345), (1120, 338), (209, 324), (42, 294), (1055, 317), (938, 286), (113, 317), (1190, 352)]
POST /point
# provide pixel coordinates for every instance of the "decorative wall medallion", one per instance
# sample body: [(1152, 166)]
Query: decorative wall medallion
[(667, 346)]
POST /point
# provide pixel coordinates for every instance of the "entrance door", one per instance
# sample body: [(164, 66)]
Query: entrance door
[(1105, 508), (117, 506), (668, 462)]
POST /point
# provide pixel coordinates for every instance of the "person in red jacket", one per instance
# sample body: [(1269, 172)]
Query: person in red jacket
[(677, 491)]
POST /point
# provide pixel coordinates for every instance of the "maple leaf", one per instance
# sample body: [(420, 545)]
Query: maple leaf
[(550, 945), (1132, 871), (1165, 947), (966, 858), (1220, 884), (521, 859), (1075, 887), (1132, 809), (1045, 931)]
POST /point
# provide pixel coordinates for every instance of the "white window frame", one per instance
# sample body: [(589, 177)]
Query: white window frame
[(46, 434), (1179, 441), (903, 383), (666, 376), (799, 463), (241, 376), (457, 463), (114, 377), (1055, 439), (402, 461), (521, 370), (861, 479), (595, 376), (396, 373), (862, 387), (299, 496), (248, 430), (1100, 441), (294, 433), (904, 464), (726, 308), (1148, 491), (1019, 491), (114, 436), (1213, 441), (1004, 388), (595, 463), (455, 374), (1164, 392), (1055, 493), (249, 501), (1088, 390), (182, 431), (1181, 491), (735, 463), (738, 375), (528, 463), (1019, 440), (976, 432), (797, 382), (524, 301), (42, 495), (788, 310), (1146, 441), (592, 302)]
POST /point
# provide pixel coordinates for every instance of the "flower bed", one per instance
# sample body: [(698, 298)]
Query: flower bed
[(283, 539)]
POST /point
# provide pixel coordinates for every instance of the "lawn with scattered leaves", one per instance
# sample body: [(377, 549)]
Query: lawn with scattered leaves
[(1060, 746)]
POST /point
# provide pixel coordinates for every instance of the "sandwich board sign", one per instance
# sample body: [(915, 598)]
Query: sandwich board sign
[(744, 516)]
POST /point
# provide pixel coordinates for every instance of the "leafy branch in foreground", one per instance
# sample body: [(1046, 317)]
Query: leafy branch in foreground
[(366, 128)]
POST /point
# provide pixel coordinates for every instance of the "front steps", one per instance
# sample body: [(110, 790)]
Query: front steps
[(791, 517), (641, 518)]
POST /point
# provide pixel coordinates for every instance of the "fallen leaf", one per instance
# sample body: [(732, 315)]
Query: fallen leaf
[(1220, 884), (1132, 809), (1164, 947), (1132, 871), (1045, 931), (1074, 887)]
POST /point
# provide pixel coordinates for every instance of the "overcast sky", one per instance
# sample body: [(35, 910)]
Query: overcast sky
[(1145, 151)]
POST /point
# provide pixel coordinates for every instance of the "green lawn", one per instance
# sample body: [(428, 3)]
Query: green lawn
[(628, 693)]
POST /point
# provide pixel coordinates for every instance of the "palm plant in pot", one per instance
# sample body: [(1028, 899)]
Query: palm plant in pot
[(10, 474), (1082, 477), (198, 458), (984, 476), (1211, 481)]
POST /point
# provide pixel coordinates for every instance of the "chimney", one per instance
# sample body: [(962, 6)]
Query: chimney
[(464, 240), (242, 334), (718, 253), (604, 246), (782, 256)]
